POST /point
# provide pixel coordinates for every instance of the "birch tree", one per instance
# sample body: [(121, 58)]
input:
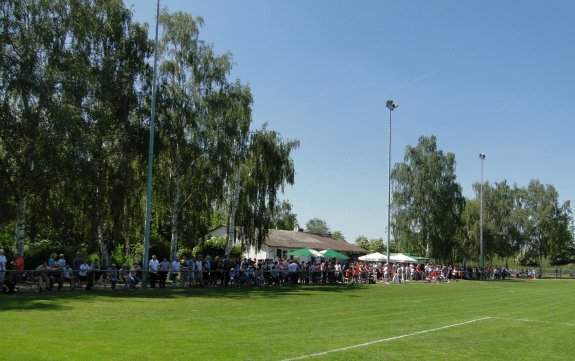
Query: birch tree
[(202, 117), (427, 200), (108, 59), (31, 42)]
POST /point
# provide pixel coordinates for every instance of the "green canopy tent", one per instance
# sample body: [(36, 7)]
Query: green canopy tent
[(330, 253), (304, 252), (416, 257)]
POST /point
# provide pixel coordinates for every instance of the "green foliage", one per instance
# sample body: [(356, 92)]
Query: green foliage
[(373, 245), (338, 235), (74, 107), (265, 170), (93, 257), (283, 218), (184, 252), (6, 242), (236, 251), (362, 241), (318, 226), (119, 256), (527, 258), (377, 245), (563, 257), (427, 200), (215, 246), (36, 252)]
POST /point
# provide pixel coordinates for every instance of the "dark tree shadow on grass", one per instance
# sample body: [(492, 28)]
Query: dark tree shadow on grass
[(50, 301)]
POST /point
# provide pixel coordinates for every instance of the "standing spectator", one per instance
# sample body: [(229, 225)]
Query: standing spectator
[(386, 272), (337, 272), (200, 271), (83, 272), (95, 266), (347, 274), (217, 268), (164, 269), (207, 269), (18, 269), (174, 270), (184, 271), (77, 262), (191, 271), (323, 271), (394, 273), (293, 272), (153, 267), (356, 274), (3, 265)]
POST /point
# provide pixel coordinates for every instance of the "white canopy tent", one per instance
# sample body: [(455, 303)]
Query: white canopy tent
[(374, 257), (401, 258), (395, 257)]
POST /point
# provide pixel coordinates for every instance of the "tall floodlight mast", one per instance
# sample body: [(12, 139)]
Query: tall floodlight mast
[(151, 157), (391, 106)]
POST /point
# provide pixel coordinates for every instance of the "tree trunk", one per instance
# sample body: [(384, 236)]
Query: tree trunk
[(99, 221), (175, 221), (235, 197), (20, 232), (126, 232), (540, 265), (103, 247)]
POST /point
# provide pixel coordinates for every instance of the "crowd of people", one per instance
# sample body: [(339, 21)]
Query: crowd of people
[(206, 271)]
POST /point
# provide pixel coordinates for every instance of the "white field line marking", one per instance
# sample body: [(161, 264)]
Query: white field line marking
[(534, 321), (386, 339)]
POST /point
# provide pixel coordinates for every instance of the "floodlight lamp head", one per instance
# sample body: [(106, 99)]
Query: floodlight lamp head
[(390, 105), (482, 155)]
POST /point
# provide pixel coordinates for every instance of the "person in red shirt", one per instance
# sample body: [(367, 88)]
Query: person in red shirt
[(18, 269), (348, 275), (356, 274)]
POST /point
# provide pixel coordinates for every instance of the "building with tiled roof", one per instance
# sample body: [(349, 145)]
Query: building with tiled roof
[(279, 242)]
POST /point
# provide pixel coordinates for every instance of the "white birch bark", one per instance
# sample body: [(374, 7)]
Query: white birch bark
[(20, 232)]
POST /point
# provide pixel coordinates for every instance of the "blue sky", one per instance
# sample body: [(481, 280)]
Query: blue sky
[(483, 76)]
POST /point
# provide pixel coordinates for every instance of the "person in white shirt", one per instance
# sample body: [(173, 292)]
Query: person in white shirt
[(83, 274), (338, 272), (153, 268), (200, 271), (174, 270), (293, 271)]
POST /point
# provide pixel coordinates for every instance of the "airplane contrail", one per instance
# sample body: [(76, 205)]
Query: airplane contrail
[(415, 80)]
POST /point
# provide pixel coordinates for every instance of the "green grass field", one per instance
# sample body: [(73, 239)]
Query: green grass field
[(495, 320)]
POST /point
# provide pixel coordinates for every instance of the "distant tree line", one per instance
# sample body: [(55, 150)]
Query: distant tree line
[(75, 86), (431, 217)]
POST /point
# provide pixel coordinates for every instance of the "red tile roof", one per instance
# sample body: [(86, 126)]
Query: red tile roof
[(296, 240)]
